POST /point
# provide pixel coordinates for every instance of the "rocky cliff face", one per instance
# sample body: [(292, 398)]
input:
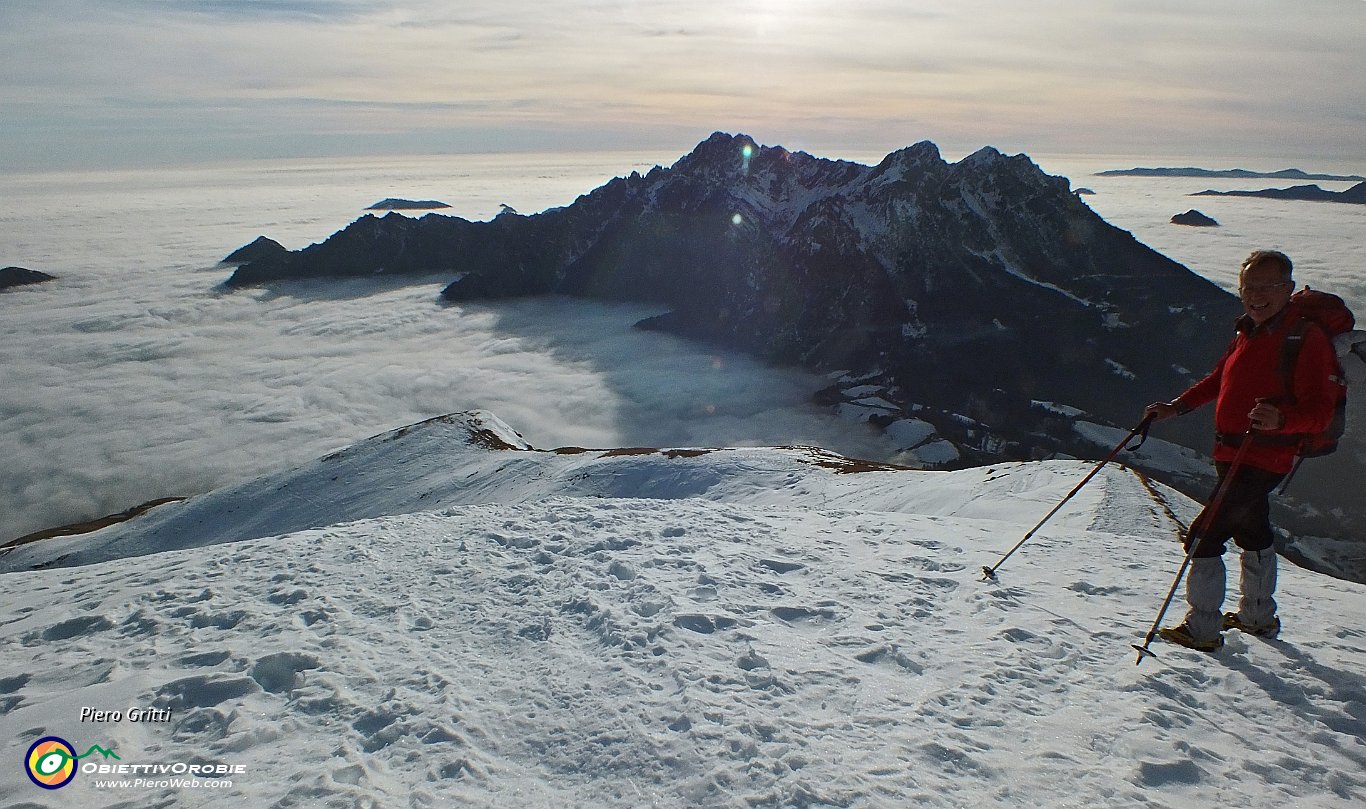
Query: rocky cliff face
[(961, 295)]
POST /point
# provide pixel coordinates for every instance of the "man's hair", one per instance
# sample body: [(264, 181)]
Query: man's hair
[(1274, 257)]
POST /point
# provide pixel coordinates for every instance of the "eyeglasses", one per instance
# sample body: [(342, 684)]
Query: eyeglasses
[(1273, 287)]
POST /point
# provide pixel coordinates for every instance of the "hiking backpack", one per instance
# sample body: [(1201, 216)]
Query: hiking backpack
[(1330, 314)]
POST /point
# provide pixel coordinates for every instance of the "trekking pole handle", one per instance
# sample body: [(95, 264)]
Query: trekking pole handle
[(1142, 431)]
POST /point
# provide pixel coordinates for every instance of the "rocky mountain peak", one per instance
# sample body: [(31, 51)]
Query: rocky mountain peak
[(720, 155), (913, 266), (988, 165), (923, 155), (985, 156)]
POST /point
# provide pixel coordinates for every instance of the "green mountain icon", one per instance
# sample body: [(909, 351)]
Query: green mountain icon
[(95, 748)]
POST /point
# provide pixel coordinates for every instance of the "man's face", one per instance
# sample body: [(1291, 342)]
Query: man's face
[(1264, 291)]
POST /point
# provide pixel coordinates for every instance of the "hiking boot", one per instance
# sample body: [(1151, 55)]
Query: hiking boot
[(1271, 630), (1181, 636)]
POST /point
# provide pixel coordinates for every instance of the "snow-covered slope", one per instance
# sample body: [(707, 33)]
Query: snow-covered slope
[(500, 626), (476, 459)]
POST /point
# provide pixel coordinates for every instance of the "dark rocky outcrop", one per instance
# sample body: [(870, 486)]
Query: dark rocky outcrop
[(1312, 193), (262, 249), (18, 276), (393, 204), (1194, 218)]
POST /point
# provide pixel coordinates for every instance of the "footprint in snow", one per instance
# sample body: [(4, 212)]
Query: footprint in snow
[(779, 566), (222, 620), (890, 656), (704, 624), (1153, 774), (702, 594), (77, 627), (1086, 588), (282, 671), (203, 691), (204, 659), (285, 597), (751, 660), (803, 615), (9, 685)]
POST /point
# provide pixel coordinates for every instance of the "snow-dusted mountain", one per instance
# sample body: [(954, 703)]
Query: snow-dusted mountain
[(443, 615), (976, 286), (958, 295)]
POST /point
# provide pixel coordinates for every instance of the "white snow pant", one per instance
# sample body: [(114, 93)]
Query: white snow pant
[(1205, 595), (1258, 605)]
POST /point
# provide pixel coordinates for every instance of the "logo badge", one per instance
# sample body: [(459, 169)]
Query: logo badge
[(51, 762)]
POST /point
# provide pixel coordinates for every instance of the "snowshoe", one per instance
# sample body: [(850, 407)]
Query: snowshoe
[(1181, 636), (1271, 630)]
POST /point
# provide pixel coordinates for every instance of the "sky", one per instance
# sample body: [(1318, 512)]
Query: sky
[(98, 83)]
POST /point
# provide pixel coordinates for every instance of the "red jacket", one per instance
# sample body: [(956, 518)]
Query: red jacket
[(1250, 370)]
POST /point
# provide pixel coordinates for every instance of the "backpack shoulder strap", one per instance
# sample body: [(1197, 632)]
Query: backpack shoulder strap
[(1291, 346)]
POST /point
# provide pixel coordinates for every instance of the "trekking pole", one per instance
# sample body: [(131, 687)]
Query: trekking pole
[(1299, 459), (989, 573), (1193, 537)]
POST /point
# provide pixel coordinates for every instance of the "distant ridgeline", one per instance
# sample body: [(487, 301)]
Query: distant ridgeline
[(1355, 195), (1235, 174), (963, 293)]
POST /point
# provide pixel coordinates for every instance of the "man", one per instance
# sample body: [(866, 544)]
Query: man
[(1248, 389)]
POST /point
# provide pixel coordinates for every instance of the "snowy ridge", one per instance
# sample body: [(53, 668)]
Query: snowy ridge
[(625, 628), (476, 459)]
